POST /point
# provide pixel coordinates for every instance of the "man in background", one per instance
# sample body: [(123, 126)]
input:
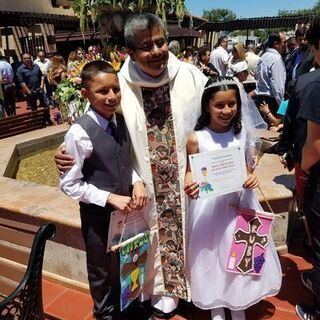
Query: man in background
[(271, 74), (31, 81), (219, 56), (8, 87), (252, 60), (44, 65)]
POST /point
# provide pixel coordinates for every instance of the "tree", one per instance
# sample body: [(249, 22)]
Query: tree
[(259, 33), (219, 15), (302, 12)]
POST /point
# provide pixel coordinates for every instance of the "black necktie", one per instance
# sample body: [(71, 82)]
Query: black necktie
[(113, 130)]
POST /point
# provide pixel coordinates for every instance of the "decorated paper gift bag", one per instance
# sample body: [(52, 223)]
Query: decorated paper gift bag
[(133, 265), (250, 240)]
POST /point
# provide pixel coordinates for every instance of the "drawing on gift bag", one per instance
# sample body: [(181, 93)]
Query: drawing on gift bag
[(133, 266), (250, 240)]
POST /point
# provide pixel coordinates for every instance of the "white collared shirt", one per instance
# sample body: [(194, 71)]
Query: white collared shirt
[(44, 66), (79, 145), (219, 58)]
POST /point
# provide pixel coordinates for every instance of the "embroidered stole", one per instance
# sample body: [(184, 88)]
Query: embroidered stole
[(165, 172)]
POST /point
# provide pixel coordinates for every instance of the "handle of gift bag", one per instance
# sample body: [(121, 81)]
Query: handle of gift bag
[(264, 198), (125, 224)]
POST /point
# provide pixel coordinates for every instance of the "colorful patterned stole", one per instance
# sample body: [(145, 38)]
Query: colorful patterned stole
[(165, 172)]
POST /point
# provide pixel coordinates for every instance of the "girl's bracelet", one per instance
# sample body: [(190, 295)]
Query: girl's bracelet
[(267, 113)]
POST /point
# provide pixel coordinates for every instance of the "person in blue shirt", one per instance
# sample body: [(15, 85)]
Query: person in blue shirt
[(31, 81), (8, 87)]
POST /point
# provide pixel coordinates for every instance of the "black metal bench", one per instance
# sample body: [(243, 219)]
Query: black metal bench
[(21, 269)]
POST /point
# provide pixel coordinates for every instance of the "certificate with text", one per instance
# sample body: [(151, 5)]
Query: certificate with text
[(219, 172)]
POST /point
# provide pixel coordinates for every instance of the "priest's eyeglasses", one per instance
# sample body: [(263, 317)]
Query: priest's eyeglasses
[(148, 47)]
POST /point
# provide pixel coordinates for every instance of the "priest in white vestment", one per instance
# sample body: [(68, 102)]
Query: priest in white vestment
[(161, 104)]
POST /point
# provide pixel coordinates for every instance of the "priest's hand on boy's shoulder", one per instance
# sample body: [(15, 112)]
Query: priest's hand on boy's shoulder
[(139, 195), (63, 161)]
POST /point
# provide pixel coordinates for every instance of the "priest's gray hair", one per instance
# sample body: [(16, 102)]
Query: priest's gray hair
[(138, 22)]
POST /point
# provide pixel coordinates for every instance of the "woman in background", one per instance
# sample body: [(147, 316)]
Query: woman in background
[(204, 65), (57, 72), (238, 55)]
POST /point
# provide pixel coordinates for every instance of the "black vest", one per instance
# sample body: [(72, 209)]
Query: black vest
[(109, 166)]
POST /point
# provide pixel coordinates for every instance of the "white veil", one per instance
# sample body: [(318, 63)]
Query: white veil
[(252, 122)]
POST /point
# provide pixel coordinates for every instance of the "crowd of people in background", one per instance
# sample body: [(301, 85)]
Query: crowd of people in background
[(267, 71), (281, 79), (35, 79)]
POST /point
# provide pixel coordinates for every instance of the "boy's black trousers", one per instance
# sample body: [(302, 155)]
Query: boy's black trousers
[(102, 267)]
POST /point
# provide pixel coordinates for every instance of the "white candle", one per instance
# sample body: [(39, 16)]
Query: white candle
[(232, 261)]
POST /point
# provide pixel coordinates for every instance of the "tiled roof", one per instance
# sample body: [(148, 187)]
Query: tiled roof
[(256, 23), (11, 18), (176, 32), (76, 36)]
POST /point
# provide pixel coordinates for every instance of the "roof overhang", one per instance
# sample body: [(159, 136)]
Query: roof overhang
[(76, 36), (176, 32), (27, 19), (256, 23)]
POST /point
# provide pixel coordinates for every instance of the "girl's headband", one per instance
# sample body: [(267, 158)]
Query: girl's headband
[(221, 82)]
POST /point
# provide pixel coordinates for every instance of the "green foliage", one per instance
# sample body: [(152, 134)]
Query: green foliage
[(236, 33), (219, 15), (262, 34), (66, 92), (94, 8), (315, 10)]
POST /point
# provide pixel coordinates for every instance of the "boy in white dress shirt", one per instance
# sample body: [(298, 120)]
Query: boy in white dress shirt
[(102, 180)]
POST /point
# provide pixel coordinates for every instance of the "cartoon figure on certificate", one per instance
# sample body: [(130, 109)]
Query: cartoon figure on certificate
[(205, 186)]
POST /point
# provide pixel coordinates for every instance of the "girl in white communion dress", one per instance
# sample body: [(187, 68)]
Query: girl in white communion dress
[(212, 220)]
